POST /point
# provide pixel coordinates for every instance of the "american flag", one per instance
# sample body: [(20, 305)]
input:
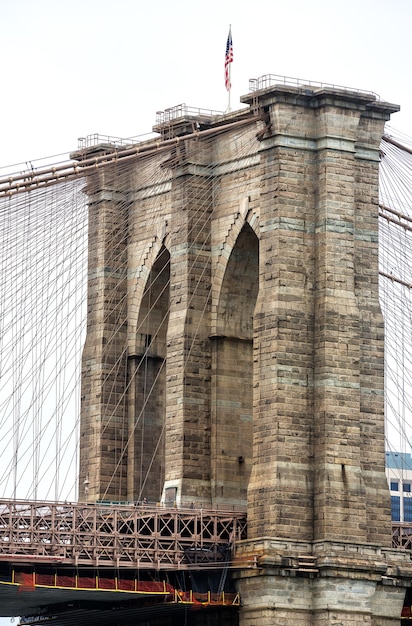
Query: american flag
[(228, 59)]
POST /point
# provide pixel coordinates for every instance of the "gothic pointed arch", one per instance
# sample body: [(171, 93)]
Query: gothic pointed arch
[(233, 369), (146, 382), (245, 215), (140, 264)]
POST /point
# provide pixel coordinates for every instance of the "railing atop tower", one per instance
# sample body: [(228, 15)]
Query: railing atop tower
[(96, 139), (269, 80), (183, 110)]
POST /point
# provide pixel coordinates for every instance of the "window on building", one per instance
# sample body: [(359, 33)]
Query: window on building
[(396, 508), (407, 487), (394, 486), (407, 509)]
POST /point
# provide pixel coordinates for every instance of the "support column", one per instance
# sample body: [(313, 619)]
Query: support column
[(316, 398), (280, 494), (187, 435), (103, 430), (339, 493)]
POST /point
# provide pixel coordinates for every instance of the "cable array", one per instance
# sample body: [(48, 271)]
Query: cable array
[(155, 313), (42, 324), (395, 258), (43, 316)]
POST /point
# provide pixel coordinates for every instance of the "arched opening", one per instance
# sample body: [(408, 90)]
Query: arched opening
[(147, 377), (232, 408)]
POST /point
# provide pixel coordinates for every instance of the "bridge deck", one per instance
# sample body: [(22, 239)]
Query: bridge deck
[(149, 537), (116, 535)]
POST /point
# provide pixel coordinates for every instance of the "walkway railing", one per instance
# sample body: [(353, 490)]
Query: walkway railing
[(402, 535), (269, 80), (34, 581), (127, 536), (117, 536)]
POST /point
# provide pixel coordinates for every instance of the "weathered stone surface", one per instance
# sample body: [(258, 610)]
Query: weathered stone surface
[(234, 353)]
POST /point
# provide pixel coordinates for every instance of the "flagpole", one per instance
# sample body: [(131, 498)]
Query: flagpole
[(228, 62), (230, 89), (230, 71)]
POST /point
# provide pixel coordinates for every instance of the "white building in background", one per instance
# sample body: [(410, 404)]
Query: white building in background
[(399, 475)]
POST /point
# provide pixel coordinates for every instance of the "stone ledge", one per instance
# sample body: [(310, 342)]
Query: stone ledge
[(325, 559)]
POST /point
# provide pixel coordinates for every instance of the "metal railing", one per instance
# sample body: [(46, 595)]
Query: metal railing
[(95, 139), (117, 536), (126, 536), (32, 580), (182, 110), (269, 80), (402, 535)]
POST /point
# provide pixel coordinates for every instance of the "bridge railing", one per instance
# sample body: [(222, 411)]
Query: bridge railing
[(183, 110), (117, 536), (402, 535), (143, 536), (269, 80), (96, 139)]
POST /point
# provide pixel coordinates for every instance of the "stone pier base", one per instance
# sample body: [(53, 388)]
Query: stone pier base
[(323, 584)]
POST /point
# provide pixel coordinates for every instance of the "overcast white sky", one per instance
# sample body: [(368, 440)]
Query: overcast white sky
[(73, 69), (70, 69)]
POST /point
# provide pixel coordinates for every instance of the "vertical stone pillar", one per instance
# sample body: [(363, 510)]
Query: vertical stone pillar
[(280, 500), (319, 375), (148, 271), (339, 493), (103, 428), (371, 368), (187, 435)]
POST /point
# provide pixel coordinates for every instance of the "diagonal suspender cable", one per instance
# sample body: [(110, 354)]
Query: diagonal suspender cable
[(43, 309)]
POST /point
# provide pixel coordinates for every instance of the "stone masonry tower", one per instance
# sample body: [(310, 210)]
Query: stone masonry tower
[(234, 354)]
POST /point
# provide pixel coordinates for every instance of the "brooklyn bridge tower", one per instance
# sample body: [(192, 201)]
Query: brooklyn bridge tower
[(234, 353)]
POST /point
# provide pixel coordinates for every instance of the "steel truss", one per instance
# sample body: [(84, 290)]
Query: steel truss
[(402, 535), (117, 535), (127, 536)]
